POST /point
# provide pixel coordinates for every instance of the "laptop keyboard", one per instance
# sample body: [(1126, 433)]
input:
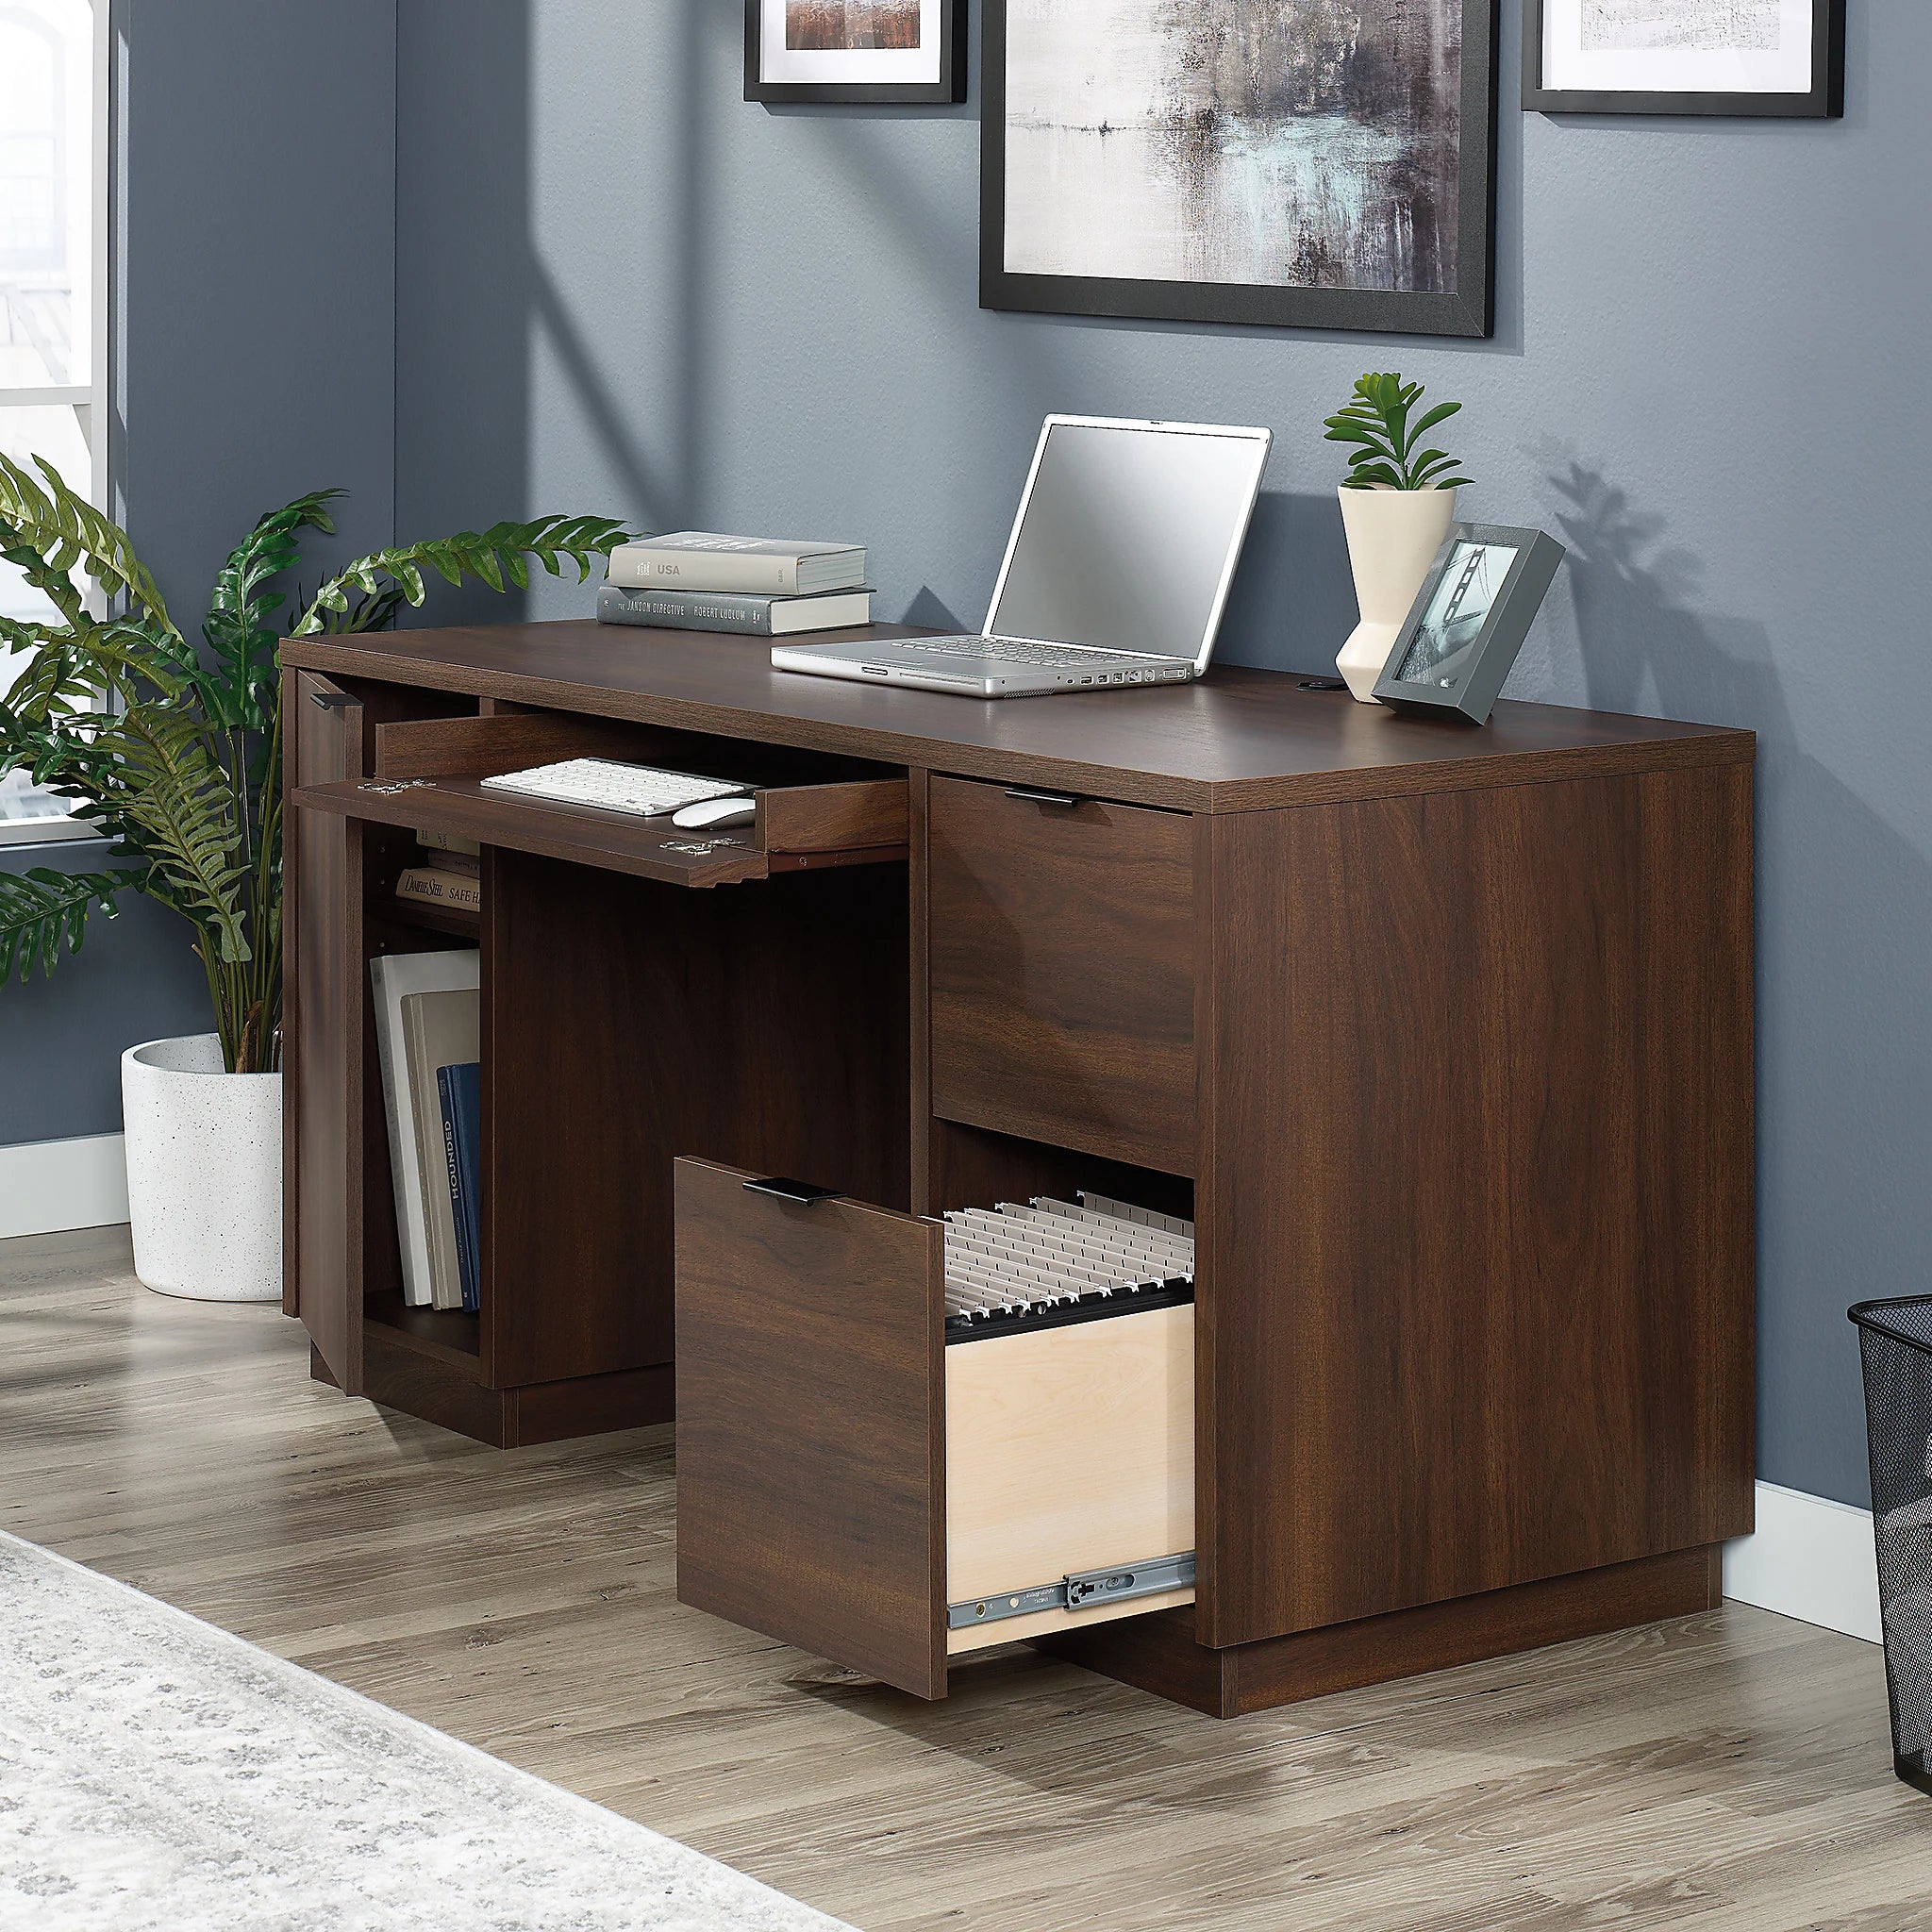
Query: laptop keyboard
[(1017, 651)]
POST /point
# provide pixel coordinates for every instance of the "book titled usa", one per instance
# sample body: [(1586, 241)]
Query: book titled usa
[(749, 616), (757, 566)]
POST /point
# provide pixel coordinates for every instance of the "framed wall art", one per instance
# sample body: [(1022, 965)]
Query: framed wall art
[(855, 50), (1684, 56), (1313, 163)]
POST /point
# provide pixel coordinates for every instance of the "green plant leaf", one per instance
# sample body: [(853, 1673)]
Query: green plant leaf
[(64, 529), (239, 688), (491, 557), (42, 912), (1377, 419)]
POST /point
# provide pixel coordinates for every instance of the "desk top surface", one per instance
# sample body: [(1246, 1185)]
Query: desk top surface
[(1238, 740)]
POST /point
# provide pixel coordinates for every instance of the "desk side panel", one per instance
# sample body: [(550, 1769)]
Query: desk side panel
[(1481, 1277), (323, 1033)]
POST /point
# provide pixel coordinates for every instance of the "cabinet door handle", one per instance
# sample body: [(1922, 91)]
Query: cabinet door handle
[(1065, 800), (334, 700), (803, 1192)]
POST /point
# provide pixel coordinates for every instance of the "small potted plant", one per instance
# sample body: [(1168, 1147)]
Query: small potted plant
[(174, 752), (1397, 503)]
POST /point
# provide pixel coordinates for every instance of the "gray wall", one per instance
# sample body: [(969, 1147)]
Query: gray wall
[(1708, 374), (624, 289), (255, 360)]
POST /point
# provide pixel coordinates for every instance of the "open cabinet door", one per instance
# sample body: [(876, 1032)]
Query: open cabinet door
[(322, 1026)]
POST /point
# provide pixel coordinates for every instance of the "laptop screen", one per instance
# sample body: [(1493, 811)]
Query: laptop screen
[(1128, 536)]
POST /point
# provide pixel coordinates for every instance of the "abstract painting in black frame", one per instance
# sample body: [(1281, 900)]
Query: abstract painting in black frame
[(1305, 163), (1745, 58), (862, 51)]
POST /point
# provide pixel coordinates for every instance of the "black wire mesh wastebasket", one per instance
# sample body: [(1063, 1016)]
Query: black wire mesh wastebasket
[(1895, 1341)]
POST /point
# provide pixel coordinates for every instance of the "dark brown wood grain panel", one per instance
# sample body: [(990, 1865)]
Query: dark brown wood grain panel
[(968, 1167), (400, 1375), (589, 1406), (1239, 741), (1061, 947), (857, 815), (646, 848), (324, 1101), (810, 1441), (628, 1023), (504, 742), (1481, 1238), (1159, 1653)]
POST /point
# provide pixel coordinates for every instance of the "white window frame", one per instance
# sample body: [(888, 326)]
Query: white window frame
[(90, 400)]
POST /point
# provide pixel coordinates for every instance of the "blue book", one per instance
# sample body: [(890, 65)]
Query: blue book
[(460, 1089)]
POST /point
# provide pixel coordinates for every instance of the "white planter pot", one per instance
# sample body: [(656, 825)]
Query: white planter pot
[(1392, 539), (204, 1172)]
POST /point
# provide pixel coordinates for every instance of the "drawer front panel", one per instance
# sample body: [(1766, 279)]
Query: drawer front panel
[(1062, 972), (811, 1497)]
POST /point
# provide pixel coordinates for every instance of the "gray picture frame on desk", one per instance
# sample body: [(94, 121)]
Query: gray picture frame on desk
[(1825, 100), (1466, 308), (1501, 620), (948, 89)]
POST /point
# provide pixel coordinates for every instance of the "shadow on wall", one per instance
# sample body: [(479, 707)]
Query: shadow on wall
[(1292, 604), (1845, 922)]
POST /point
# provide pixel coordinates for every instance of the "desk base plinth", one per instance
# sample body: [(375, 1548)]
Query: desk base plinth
[(400, 1377), (1159, 1653)]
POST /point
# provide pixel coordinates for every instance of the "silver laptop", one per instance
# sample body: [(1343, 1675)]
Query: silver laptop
[(1116, 572)]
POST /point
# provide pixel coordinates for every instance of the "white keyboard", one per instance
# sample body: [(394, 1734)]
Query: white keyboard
[(640, 790)]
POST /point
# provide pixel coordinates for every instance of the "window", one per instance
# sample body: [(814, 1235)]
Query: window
[(52, 286)]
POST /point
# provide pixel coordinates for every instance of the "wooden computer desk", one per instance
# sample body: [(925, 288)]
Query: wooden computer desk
[(1442, 1036)]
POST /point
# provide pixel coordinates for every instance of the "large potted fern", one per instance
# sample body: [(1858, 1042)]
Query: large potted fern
[(1397, 503), (173, 752)]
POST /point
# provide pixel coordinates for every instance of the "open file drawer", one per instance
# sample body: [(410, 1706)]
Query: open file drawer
[(850, 1483)]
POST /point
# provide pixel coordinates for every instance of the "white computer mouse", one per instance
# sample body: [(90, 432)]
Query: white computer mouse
[(712, 812)]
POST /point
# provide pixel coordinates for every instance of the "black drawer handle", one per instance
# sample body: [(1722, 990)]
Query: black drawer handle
[(1065, 800), (334, 700), (803, 1192)]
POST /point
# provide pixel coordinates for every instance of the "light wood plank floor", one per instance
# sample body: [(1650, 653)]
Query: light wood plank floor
[(1726, 1770)]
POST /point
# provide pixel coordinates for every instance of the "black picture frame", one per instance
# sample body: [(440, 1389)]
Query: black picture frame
[(947, 91), (1824, 101), (1505, 625), (1468, 311)]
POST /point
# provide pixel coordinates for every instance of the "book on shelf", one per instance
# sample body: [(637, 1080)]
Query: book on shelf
[(760, 566), (448, 841), (750, 616), (459, 1093), (469, 864), (393, 976), (432, 885), (439, 1029)]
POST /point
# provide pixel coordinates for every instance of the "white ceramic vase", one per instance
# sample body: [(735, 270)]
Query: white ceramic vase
[(204, 1172), (1392, 539)]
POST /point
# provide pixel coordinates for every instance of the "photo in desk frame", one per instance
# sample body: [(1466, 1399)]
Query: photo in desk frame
[(1738, 59), (1474, 608), (860, 52), (1376, 210)]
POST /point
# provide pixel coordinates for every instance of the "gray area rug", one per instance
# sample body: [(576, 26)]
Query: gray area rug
[(155, 1773)]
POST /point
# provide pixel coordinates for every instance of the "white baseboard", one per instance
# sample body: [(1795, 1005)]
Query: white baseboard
[(49, 1186), (1811, 1558)]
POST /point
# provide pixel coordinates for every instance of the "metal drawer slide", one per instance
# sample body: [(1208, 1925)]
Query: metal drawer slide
[(1083, 1589)]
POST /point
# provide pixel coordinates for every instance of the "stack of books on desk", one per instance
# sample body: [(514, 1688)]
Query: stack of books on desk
[(761, 587), (447, 872)]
